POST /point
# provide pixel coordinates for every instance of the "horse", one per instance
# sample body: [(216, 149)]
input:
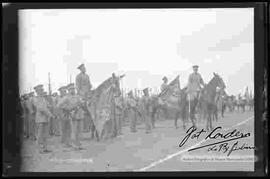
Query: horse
[(167, 99), (207, 98), (99, 106)]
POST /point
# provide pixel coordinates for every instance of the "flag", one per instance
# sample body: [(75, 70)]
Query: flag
[(174, 86)]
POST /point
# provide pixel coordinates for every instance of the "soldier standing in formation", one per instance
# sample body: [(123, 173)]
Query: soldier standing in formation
[(55, 125), (146, 110), (72, 104), (31, 116), (25, 114), (63, 116), (42, 118), (117, 114), (132, 111), (83, 86)]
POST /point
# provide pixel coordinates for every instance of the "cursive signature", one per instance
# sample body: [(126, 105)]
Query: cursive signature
[(194, 133), (225, 147)]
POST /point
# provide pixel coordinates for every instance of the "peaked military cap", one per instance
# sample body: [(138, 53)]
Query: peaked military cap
[(70, 86), (40, 86), (82, 65), (31, 94), (195, 66), (165, 78), (62, 88), (145, 90)]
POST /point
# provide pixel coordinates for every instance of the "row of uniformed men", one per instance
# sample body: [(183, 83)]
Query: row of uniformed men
[(41, 113), (66, 111)]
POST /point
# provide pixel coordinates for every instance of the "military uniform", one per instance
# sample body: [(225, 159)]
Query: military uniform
[(194, 82), (71, 103), (64, 118), (55, 121), (117, 113), (31, 116), (146, 110), (132, 112), (42, 116), (25, 114), (83, 87)]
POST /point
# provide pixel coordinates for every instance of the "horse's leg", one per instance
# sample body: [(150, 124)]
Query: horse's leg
[(153, 119), (175, 120), (192, 110)]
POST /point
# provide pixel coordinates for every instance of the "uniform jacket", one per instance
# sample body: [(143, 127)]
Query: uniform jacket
[(194, 81), (83, 84), (42, 109), (71, 107)]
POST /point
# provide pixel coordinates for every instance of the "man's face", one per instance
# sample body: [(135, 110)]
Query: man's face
[(195, 70), (71, 91), (83, 69), (63, 92), (39, 92)]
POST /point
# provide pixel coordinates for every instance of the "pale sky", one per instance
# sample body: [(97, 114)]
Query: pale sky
[(144, 44)]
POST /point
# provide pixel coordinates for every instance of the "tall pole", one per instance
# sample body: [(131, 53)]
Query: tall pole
[(50, 92), (70, 78)]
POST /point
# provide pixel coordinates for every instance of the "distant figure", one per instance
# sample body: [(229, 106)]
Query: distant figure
[(83, 86), (164, 85)]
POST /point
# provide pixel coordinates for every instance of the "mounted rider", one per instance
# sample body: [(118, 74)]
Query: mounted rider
[(164, 85), (194, 83), (83, 86)]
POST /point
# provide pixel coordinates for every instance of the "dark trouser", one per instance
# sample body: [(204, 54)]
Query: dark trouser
[(26, 125), (76, 132), (133, 120), (43, 132), (66, 131), (147, 122), (32, 127)]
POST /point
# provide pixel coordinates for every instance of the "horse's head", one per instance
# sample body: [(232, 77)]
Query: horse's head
[(218, 81), (116, 84)]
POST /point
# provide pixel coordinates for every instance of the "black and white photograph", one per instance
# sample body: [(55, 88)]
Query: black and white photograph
[(137, 89)]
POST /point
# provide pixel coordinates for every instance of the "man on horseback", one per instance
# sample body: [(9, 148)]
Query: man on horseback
[(194, 82), (164, 85), (193, 89), (83, 86)]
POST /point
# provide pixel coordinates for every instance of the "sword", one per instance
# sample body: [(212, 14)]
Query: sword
[(188, 106)]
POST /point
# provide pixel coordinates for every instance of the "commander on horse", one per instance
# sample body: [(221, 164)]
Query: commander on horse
[(195, 81)]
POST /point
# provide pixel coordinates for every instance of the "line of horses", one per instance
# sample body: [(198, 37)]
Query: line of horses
[(101, 100)]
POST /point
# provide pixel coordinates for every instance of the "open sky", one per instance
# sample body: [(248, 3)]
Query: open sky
[(144, 44)]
